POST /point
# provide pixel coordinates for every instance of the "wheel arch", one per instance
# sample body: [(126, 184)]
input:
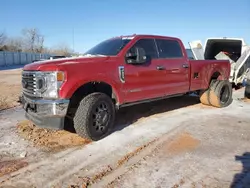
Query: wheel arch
[(82, 90), (215, 75), (96, 86)]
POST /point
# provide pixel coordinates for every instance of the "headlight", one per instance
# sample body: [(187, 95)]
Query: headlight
[(49, 83)]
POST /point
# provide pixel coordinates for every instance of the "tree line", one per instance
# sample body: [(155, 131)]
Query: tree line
[(31, 40)]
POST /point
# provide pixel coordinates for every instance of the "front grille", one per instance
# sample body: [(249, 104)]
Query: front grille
[(29, 83)]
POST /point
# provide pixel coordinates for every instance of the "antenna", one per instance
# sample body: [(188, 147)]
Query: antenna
[(73, 39)]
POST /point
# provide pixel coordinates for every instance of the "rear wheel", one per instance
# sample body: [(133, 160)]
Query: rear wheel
[(204, 95), (247, 91), (94, 118), (220, 94)]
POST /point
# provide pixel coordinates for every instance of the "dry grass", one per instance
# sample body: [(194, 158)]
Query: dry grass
[(10, 88), (9, 96), (3, 103)]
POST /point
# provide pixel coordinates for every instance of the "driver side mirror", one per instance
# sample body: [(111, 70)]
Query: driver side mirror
[(138, 57)]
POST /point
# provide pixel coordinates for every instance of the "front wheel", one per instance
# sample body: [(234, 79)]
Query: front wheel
[(94, 117)]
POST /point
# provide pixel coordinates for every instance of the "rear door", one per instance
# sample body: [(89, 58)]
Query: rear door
[(197, 49), (176, 66), (144, 81)]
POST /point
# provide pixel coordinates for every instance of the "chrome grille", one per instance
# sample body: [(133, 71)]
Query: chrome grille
[(29, 83)]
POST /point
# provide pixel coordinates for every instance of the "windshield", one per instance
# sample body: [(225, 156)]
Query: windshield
[(108, 47)]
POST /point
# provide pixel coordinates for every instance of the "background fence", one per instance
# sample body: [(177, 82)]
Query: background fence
[(19, 58), (23, 58)]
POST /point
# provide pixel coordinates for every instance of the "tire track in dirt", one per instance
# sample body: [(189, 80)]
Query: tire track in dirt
[(62, 166), (9, 166), (176, 140), (114, 147)]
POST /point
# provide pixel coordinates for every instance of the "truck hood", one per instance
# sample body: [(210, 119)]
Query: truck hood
[(47, 65)]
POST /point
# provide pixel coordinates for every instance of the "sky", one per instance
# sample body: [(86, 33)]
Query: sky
[(81, 24)]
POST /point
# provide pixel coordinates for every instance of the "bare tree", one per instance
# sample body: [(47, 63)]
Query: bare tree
[(34, 41), (14, 44), (61, 49), (2, 39), (40, 46)]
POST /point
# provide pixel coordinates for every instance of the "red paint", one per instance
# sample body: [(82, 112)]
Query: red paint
[(143, 81)]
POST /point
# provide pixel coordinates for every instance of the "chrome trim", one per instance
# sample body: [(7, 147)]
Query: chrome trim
[(49, 108), (121, 74), (29, 78), (30, 85), (46, 101)]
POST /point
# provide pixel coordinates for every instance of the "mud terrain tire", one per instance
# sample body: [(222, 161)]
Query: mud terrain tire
[(220, 94), (247, 91), (94, 117), (204, 95)]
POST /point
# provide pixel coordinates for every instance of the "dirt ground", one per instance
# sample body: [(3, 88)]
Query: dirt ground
[(49, 140), (10, 87), (171, 143)]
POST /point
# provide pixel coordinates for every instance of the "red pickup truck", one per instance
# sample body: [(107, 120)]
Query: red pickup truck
[(118, 72)]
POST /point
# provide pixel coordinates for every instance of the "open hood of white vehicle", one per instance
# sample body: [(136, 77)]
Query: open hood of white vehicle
[(235, 48), (197, 49), (242, 65)]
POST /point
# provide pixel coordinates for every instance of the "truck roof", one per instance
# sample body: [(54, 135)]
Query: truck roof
[(146, 35)]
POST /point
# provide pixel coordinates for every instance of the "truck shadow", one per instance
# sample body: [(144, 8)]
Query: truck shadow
[(129, 115), (242, 179)]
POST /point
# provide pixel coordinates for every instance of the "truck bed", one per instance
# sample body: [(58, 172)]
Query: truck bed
[(201, 70)]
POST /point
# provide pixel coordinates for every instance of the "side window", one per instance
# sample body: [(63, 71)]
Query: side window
[(190, 54), (169, 48), (149, 47)]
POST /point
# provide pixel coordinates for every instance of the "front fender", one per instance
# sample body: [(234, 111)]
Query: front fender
[(70, 87)]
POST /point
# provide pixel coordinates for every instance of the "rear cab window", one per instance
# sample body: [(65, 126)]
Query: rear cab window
[(169, 48)]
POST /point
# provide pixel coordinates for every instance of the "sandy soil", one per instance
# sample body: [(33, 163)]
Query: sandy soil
[(198, 156), (49, 140), (203, 146), (10, 87), (171, 143)]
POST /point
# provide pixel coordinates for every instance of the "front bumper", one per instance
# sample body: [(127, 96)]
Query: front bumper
[(46, 113)]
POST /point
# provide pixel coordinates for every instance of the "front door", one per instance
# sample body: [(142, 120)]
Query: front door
[(144, 81)]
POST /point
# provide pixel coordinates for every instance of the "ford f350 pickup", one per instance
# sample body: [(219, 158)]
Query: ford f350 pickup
[(118, 72)]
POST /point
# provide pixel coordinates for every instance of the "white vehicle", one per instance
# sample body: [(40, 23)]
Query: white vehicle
[(247, 89), (233, 49)]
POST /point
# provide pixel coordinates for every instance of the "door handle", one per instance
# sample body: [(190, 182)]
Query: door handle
[(175, 70), (185, 66), (160, 68)]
